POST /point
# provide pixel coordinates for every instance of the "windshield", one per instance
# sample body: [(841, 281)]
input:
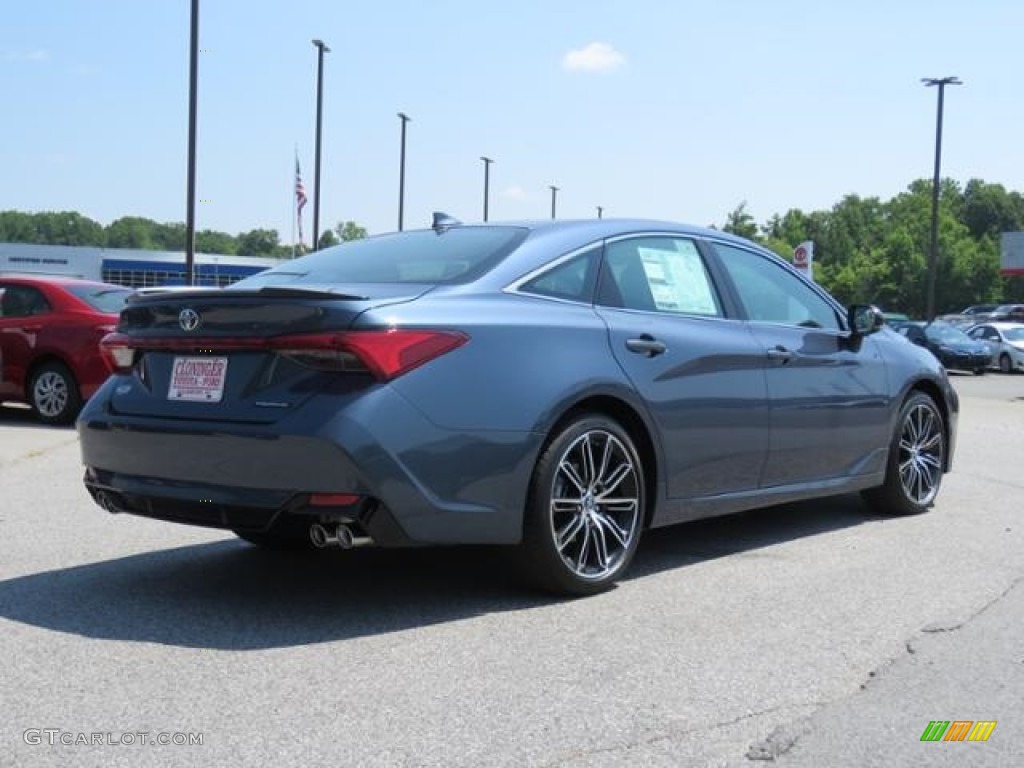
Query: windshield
[(946, 334), (457, 255), (107, 299)]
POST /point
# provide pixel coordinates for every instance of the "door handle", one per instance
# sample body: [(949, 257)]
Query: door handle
[(780, 354), (32, 328), (646, 345)]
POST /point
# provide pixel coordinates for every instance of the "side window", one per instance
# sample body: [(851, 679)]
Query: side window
[(22, 301), (770, 294), (572, 280), (657, 274)]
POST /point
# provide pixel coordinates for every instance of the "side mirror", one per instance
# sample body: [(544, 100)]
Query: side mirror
[(864, 319)]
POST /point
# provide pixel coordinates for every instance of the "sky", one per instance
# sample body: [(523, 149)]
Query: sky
[(659, 109)]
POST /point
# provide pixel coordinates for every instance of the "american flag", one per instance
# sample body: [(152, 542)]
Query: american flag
[(300, 196), (300, 190)]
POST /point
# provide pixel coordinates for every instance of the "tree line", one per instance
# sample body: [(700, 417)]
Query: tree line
[(72, 228), (868, 250)]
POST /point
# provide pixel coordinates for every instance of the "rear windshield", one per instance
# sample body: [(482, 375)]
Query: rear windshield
[(101, 297), (457, 255)]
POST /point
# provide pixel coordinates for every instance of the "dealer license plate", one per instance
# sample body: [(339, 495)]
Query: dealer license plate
[(200, 379)]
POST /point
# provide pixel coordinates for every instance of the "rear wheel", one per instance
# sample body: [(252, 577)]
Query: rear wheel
[(53, 393), (585, 510), (917, 457)]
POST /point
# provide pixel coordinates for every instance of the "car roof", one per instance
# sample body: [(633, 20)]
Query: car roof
[(55, 280)]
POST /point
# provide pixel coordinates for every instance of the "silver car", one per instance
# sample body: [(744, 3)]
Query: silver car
[(1006, 341)]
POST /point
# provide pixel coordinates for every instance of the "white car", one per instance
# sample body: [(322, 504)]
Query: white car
[(1007, 342)]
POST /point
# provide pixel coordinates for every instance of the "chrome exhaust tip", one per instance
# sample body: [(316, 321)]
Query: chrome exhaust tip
[(341, 536)]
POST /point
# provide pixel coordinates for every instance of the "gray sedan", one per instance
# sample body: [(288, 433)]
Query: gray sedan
[(1006, 341), (558, 387)]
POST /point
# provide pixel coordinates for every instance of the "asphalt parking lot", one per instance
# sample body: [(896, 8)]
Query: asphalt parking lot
[(808, 635)]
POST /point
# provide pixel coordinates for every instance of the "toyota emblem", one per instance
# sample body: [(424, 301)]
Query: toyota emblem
[(188, 319)]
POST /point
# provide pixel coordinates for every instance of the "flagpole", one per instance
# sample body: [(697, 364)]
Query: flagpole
[(293, 204)]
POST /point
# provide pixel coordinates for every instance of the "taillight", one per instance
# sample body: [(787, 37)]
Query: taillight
[(389, 354), (385, 354), (117, 352)]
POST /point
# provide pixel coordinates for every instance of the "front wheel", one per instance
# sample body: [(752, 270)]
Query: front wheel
[(585, 510), (917, 458), (1005, 366)]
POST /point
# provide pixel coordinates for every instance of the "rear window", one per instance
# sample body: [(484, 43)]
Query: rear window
[(457, 255), (101, 298)]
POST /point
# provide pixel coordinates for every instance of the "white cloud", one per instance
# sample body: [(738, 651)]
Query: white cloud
[(595, 57), (515, 192)]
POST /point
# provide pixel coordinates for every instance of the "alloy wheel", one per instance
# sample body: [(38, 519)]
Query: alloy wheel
[(595, 505), (50, 394), (921, 447)]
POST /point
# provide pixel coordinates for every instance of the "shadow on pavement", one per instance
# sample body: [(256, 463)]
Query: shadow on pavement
[(23, 416), (230, 595)]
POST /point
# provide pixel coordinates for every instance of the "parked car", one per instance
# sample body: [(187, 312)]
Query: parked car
[(969, 316), (50, 330), (1007, 313), (978, 310), (560, 386), (1006, 341), (953, 348)]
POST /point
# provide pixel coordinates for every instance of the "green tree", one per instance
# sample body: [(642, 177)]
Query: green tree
[(210, 241), (259, 242), (739, 222), (131, 232), (169, 236), (327, 239), (349, 230)]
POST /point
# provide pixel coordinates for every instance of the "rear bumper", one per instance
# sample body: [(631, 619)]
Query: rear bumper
[(420, 483)]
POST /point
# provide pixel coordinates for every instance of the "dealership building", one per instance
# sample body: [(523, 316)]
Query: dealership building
[(129, 267)]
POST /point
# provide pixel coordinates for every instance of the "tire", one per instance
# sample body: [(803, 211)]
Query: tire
[(585, 509), (1005, 365), (917, 458), (53, 394)]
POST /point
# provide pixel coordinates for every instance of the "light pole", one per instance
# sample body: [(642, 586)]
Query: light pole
[(933, 245), (190, 194), (401, 173), (321, 50), (487, 182), (554, 197), (600, 212)]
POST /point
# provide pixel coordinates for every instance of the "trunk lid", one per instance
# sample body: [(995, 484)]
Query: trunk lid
[(218, 355)]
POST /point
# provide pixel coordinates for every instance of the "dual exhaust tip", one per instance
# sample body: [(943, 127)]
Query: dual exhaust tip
[(340, 535)]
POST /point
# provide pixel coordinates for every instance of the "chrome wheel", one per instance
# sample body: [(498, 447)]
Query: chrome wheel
[(595, 505), (921, 448), (51, 394)]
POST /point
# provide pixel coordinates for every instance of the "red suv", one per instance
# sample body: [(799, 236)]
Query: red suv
[(50, 328)]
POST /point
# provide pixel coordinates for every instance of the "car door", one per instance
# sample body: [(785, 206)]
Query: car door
[(829, 407), (701, 374), (19, 331)]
